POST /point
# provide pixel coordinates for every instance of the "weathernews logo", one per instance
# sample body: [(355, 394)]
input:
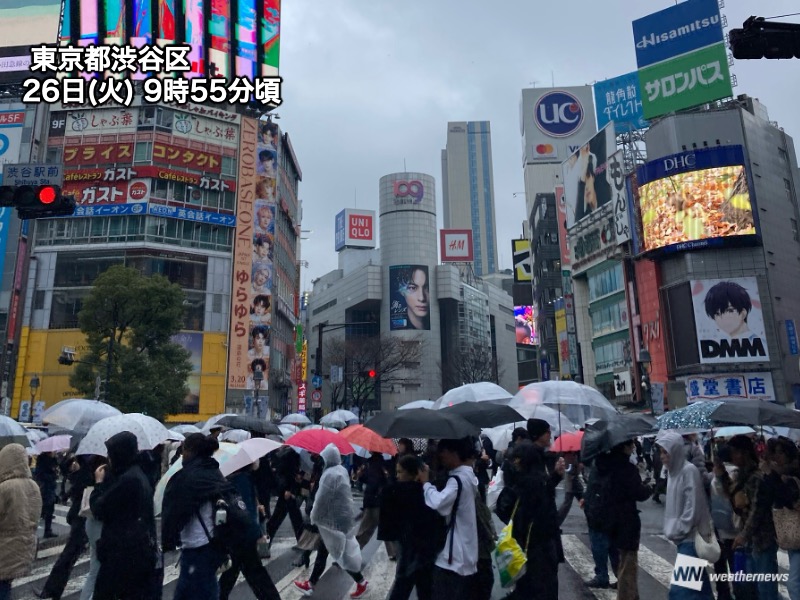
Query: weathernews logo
[(689, 570)]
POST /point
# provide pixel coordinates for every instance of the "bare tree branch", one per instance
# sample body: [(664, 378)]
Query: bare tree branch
[(474, 365)]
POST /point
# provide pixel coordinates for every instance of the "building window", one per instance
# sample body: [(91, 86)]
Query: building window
[(606, 282), (143, 152), (54, 155), (783, 155), (228, 166), (38, 299)]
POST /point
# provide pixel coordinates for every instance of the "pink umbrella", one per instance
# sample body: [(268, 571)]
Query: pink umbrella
[(315, 441), (57, 443)]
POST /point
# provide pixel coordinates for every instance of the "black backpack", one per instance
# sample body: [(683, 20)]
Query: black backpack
[(443, 526), (238, 529), (599, 502)]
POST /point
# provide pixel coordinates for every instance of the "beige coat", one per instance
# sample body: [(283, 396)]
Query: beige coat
[(20, 509)]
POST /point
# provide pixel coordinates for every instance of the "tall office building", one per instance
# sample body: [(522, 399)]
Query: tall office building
[(468, 189)]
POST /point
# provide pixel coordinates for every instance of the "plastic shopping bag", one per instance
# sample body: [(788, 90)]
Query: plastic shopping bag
[(509, 557), (496, 486)]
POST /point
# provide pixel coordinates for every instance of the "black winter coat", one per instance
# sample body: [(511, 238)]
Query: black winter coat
[(405, 518), (124, 504), (374, 479), (198, 482), (78, 481), (628, 489)]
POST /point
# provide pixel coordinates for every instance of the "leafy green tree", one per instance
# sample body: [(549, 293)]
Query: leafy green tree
[(129, 321)]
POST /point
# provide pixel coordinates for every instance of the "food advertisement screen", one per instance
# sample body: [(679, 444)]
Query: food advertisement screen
[(696, 199)]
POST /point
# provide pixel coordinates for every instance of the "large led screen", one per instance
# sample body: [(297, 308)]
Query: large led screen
[(219, 30), (409, 300), (695, 199), (525, 325)]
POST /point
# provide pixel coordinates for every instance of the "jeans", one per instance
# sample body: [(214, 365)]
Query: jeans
[(198, 577), (602, 552), (793, 585), (677, 592), (5, 589), (765, 561), (94, 529)]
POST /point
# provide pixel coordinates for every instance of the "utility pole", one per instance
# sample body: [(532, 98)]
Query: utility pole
[(108, 362)]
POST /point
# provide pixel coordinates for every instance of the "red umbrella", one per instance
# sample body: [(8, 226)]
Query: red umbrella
[(569, 442), (368, 439), (315, 441)]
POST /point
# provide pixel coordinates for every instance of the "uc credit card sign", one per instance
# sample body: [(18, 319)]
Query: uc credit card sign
[(677, 30)]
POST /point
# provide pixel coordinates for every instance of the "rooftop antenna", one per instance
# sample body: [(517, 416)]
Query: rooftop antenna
[(355, 197), (405, 170), (553, 79)]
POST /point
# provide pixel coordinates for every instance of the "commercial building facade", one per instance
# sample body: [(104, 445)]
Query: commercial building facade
[(399, 290), (468, 189)]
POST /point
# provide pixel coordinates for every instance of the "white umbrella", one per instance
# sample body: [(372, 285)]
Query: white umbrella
[(331, 429), (231, 458), (149, 433), (483, 391), (772, 431), (288, 431), (234, 435), (364, 453), (724, 432), (213, 421), (578, 402), (36, 435), (57, 443), (295, 419), (501, 435), (175, 436), (186, 429), (12, 432), (78, 414), (416, 404), (337, 417)]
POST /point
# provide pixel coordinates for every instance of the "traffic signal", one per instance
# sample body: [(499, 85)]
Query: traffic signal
[(37, 202), (370, 374), (760, 38)]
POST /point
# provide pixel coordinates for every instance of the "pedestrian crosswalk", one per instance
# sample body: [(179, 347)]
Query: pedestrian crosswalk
[(656, 560)]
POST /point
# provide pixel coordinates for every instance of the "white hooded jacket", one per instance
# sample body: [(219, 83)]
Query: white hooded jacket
[(686, 508)]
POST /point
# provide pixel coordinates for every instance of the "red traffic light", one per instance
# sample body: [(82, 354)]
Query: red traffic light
[(371, 373), (47, 194)]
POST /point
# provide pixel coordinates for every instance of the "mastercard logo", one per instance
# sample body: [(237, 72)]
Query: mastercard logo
[(545, 149)]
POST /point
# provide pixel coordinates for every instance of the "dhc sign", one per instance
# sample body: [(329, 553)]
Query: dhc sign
[(558, 114)]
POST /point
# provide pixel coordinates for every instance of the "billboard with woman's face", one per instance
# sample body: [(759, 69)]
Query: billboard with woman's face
[(409, 298)]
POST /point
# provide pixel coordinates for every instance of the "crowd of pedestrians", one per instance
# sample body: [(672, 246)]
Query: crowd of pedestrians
[(430, 509)]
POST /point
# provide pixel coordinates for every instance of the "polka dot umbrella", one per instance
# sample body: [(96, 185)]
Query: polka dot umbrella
[(148, 431)]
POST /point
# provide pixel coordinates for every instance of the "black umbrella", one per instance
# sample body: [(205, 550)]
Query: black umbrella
[(421, 423), (485, 414), (755, 412), (251, 424), (602, 436)]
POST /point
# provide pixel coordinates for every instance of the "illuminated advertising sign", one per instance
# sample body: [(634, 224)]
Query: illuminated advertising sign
[(619, 100), (270, 37), (24, 23), (355, 229), (97, 193), (677, 30), (729, 321), (254, 243), (561, 203), (166, 21), (195, 33), (554, 121), (219, 29), (408, 192), (409, 300), (615, 176), (125, 173), (11, 124), (525, 325), (115, 21), (563, 339), (193, 343), (142, 21), (696, 199), (104, 121), (591, 241), (245, 32), (586, 187), (455, 245), (523, 267)]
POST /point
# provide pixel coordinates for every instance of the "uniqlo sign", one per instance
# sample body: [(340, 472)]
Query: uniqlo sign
[(355, 229)]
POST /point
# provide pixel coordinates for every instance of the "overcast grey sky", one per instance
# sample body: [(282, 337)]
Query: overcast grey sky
[(369, 83)]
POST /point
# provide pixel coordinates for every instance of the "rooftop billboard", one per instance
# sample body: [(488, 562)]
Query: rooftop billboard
[(696, 199)]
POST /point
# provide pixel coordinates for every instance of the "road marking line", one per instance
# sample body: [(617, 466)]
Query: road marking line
[(580, 559)]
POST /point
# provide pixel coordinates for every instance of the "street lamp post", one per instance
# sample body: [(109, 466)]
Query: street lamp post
[(258, 377), (34, 388)]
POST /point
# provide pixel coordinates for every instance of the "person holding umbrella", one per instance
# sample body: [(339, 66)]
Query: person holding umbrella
[(123, 500), (188, 498), (20, 510), (46, 475)]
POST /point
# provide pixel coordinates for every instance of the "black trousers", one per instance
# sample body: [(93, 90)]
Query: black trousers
[(541, 578), (59, 576), (48, 513), (249, 564), (482, 581), (449, 584), (319, 566), (422, 579), (282, 508)]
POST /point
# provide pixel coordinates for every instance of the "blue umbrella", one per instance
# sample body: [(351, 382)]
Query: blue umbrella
[(695, 416)]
